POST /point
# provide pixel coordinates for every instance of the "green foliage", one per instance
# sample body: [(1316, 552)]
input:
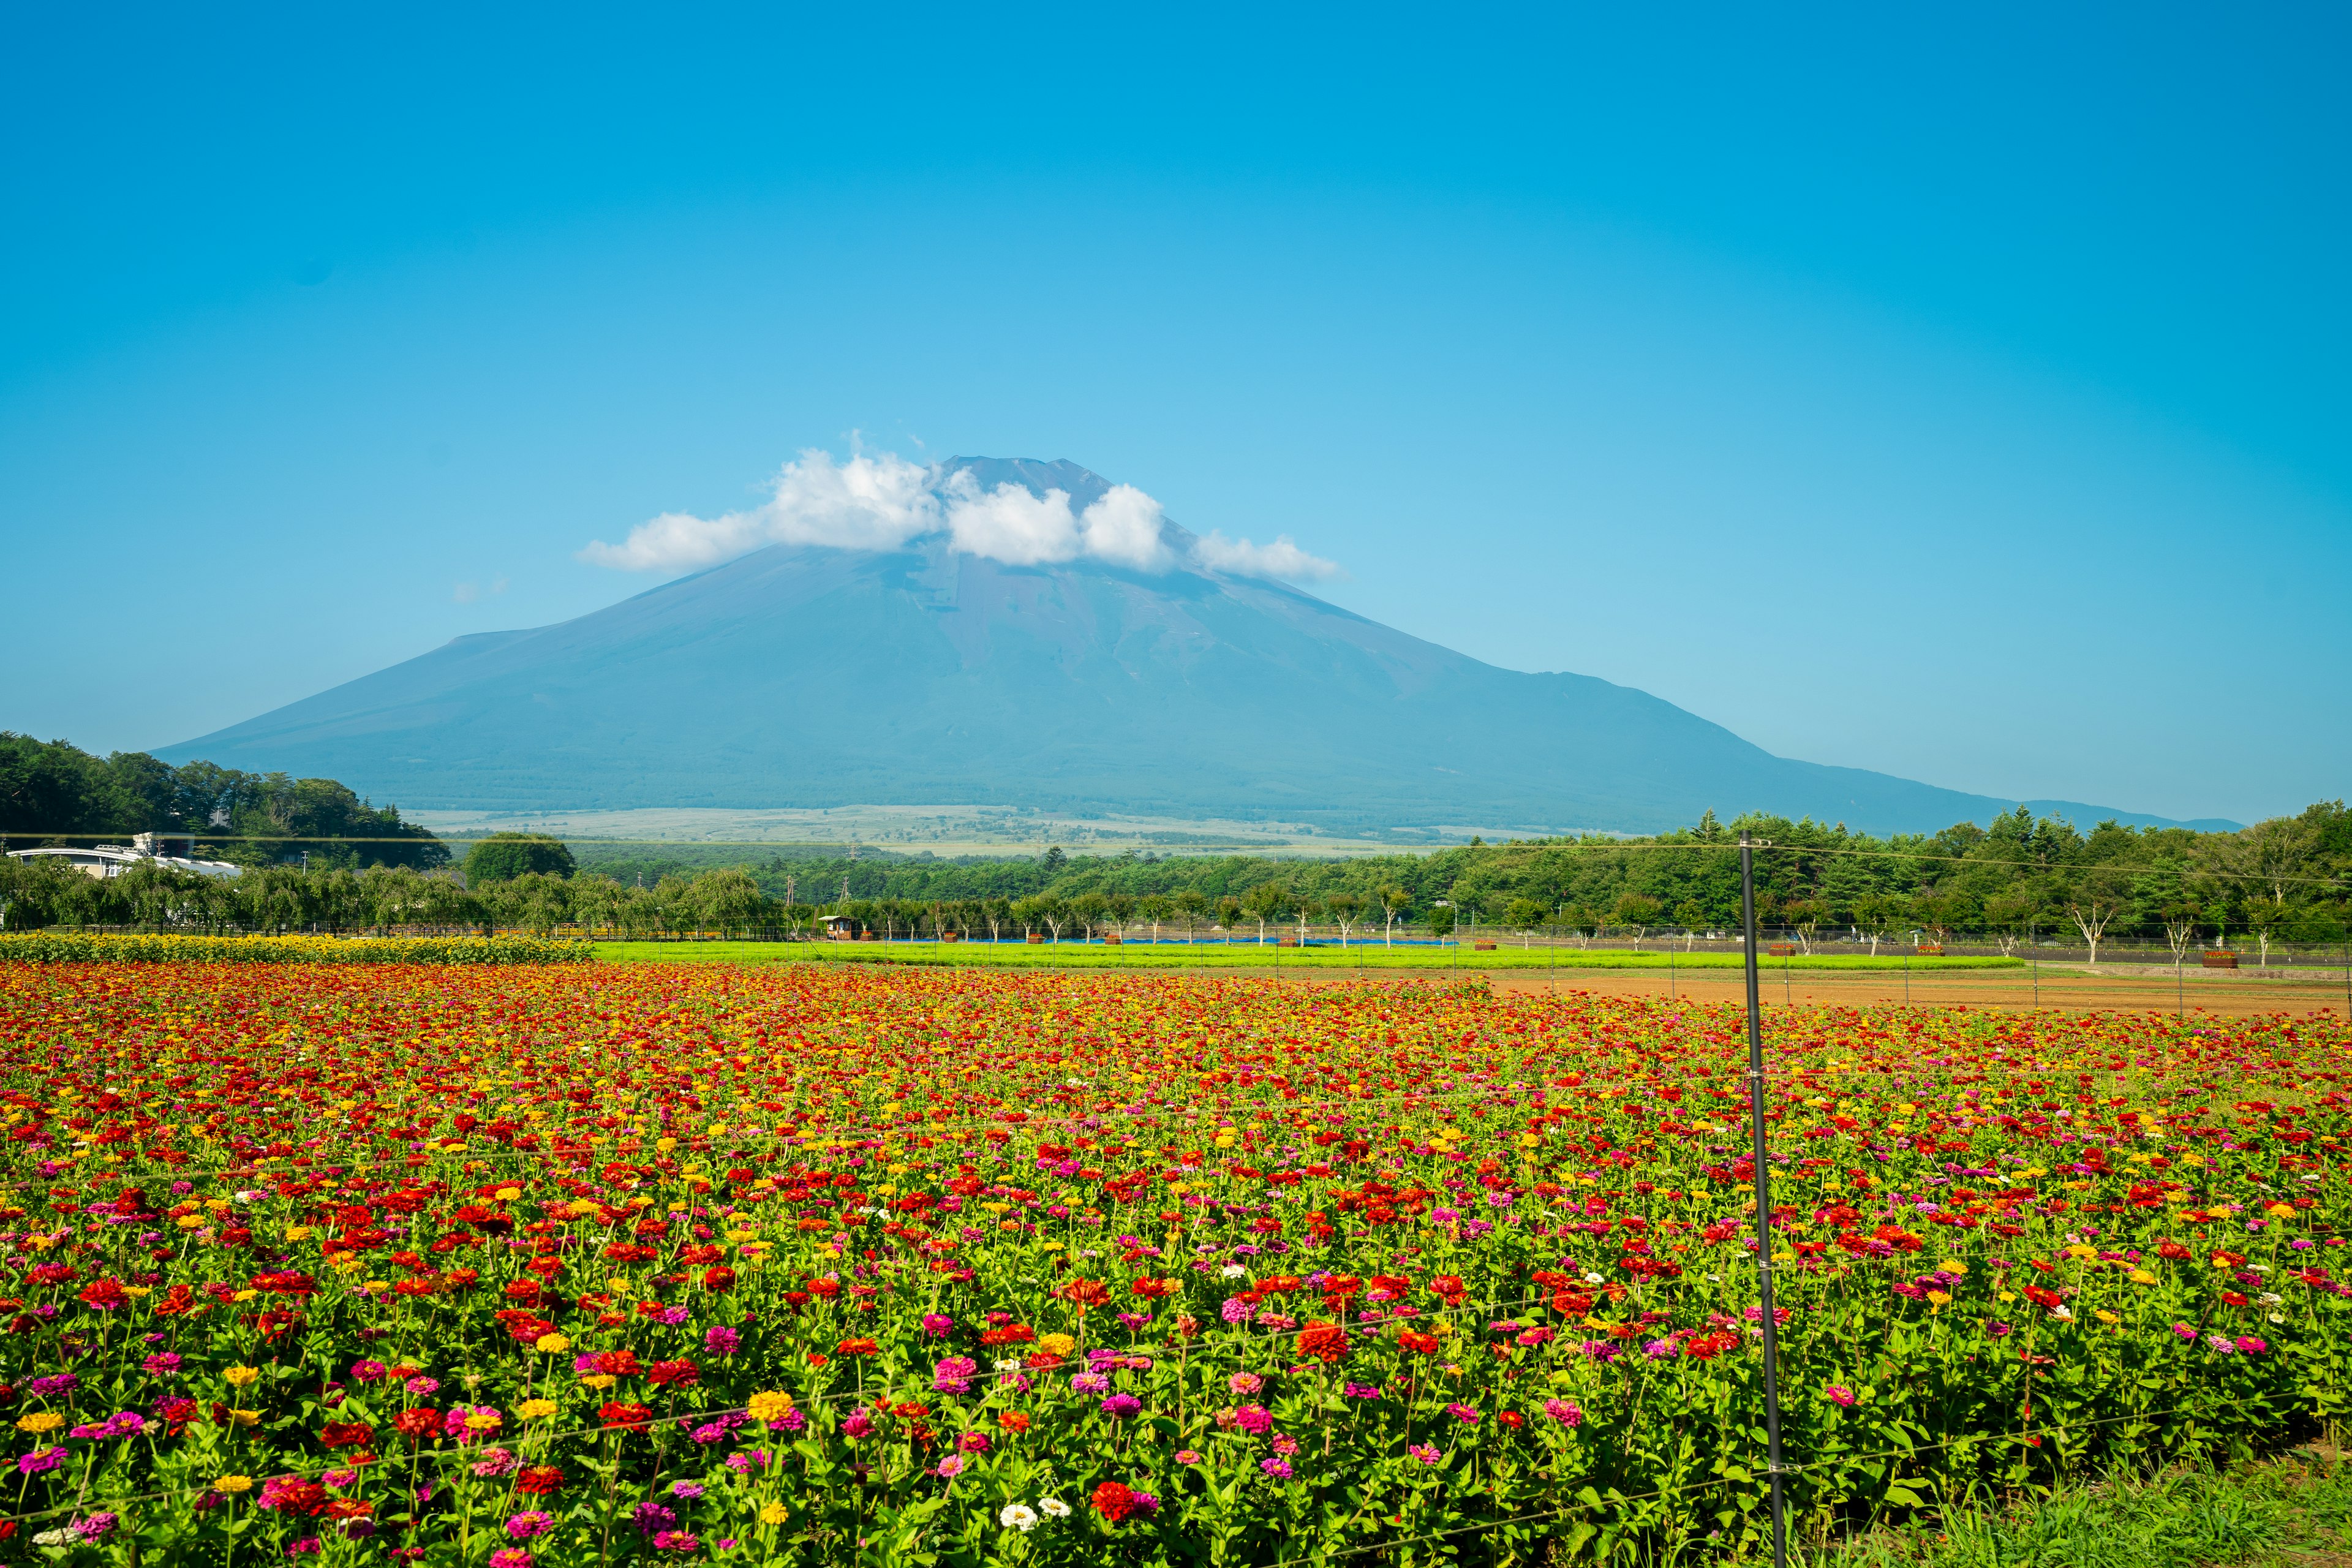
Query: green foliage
[(53, 791), (502, 857)]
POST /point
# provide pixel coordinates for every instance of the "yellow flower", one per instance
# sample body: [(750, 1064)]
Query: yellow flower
[(1953, 1266), (598, 1381), (2142, 1277), (618, 1286), (1056, 1344), (297, 1233), (1939, 1297), (508, 1194), (534, 1409), (774, 1514), (770, 1405), (477, 1422), (2106, 1317), (2280, 1211), (244, 1295), (190, 1221), (240, 1376), (552, 1344), (234, 1484), (245, 1417), (41, 1421)]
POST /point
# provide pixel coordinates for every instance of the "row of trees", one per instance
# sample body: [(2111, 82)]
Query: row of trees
[(2023, 879), (53, 792)]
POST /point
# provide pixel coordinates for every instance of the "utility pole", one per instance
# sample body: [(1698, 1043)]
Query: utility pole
[(1763, 1202)]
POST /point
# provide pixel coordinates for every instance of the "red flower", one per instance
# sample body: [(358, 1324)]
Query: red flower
[(674, 1373), (105, 1295), (720, 1279), (1327, 1342), (416, 1425), (539, 1481), (626, 1417), (1418, 1342), (857, 1347), (1113, 1502), (346, 1434), (618, 1363)]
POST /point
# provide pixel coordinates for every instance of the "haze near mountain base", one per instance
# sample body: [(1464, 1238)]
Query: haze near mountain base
[(1022, 633)]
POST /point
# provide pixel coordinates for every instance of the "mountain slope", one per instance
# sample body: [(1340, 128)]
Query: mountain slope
[(814, 677)]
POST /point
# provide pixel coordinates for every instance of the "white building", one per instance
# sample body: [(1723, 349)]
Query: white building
[(106, 860)]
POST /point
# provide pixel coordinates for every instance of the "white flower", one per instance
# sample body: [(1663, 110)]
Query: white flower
[(1053, 1507), (1232, 1272), (53, 1538), (1591, 1278), (1018, 1516)]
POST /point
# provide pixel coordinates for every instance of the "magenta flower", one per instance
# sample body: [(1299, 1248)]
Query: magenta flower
[(937, 1323), (1424, 1453), (527, 1525), (1279, 1469), (1564, 1411), (2252, 1346), (720, 1340), (1840, 1394)]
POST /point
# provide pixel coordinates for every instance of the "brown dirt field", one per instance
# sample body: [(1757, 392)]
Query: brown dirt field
[(2072, 988)]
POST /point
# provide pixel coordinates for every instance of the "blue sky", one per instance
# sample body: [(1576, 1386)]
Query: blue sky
[(1957, 397)]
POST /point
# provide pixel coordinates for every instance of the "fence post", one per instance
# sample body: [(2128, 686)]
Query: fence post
[(1763, 1202)]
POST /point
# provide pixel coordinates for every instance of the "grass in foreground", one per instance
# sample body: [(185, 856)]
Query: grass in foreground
[(1217, 955), (2297, 1510)]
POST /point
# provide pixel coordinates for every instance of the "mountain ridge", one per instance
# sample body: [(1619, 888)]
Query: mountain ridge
[(800, 675)]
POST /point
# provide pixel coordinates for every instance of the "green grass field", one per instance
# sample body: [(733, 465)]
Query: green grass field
[(1217, 955)]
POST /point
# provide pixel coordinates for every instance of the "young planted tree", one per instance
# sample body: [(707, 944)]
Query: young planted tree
[(1345, 909), (1230, 912), (1526, 914), (2096, 899), (1690, 914), (1190, 907), (1394, 902), (1266, 902), (1638, 911), (1439, 918)]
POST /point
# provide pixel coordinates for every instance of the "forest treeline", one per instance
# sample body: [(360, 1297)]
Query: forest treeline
[(53, 791), (2022, 878)]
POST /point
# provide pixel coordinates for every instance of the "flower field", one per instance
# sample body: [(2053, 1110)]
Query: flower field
[(580, 1264)]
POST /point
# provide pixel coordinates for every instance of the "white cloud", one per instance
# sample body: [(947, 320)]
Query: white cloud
[(1282, 560), (881, 501), (1010, 524), (1123, 527), (870, 503)]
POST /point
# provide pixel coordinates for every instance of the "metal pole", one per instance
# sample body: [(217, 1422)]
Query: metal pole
[(1763, 1201)]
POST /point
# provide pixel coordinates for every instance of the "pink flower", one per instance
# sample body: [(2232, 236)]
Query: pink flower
[(858, 1424), (1243, 1382), (952, 1466), (973, 1443), (1255, 1419), (510, 1557), (1425, 1454), (2252, 1346), (1187, 1457), (2185, 1331), (1840, 1394), (1564, 1411), (937, 1323)]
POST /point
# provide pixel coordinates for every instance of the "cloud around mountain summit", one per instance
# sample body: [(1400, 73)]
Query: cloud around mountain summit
[(880, 501)]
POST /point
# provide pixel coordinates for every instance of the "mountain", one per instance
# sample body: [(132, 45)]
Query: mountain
[(803, 676)]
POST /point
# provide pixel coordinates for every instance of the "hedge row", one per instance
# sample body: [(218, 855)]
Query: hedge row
[(78, 947)]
